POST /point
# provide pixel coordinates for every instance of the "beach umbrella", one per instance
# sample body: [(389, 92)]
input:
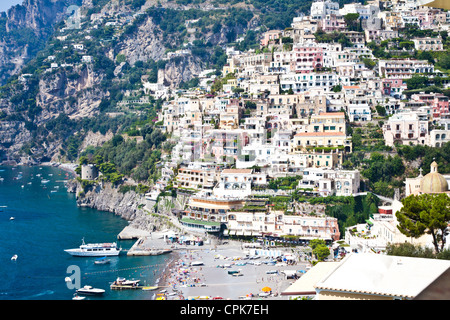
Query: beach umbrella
[(266, 289)]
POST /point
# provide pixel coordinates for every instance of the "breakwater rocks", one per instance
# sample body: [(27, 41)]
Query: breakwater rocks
[(130, 205)]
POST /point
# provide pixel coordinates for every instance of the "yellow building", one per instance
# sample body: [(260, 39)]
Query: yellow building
[(311, 140), (328, 122)]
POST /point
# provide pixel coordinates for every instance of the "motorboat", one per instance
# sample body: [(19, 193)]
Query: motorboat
[(124, 282), (102, 261), (89, 290), (77, 297), (150, 288), (14, 257), (196, 263), (95, 250)]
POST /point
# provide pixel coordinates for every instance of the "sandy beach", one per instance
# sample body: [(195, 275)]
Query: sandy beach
[(202, 272)]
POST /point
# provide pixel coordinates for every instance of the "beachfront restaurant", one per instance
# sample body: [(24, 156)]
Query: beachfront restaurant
[(200, 225)]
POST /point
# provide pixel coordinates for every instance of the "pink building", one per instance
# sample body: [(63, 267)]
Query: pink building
[(437, 101), (269, 36), (306, 58), (393, 87), (332, 22)]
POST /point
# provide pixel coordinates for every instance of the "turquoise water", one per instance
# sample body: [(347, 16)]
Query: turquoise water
[(47, 221)]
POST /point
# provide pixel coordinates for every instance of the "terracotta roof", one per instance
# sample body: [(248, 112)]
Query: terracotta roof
[(319, 134), (351, 87), (330, 114), (237, 171)]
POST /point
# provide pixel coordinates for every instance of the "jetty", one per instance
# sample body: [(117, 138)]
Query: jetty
[(130, 233), (125, 287), (148, 243), (145, 246)]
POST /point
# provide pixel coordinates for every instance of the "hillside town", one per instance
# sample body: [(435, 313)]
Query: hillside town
[(284, 114), (253, 146)]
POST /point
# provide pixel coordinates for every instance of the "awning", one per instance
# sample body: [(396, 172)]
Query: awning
[(440, 4)]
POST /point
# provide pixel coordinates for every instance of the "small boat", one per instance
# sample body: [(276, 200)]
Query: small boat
[(14, 257), (45, 181), (88, 290), (77, 297), (150, 288), (197, 263), (102, 261), (12, 218), (67, 279)]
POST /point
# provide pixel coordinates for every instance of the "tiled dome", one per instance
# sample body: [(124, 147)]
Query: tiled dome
[(434, 181)]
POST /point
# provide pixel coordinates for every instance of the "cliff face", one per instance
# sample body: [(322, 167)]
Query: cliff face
[(144, 44), (77, 97), (141, 213), (130, 205), (27, 27), (180, 70)]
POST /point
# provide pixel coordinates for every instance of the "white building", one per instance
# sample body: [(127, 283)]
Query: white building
[(406, 128), (237, 183), (326, 182), (321, 8)]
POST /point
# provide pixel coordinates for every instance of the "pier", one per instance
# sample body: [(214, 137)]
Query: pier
[(147, 246), (129, 233), (125, 287)]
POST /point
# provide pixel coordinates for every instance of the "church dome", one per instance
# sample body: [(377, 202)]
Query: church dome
[(434, 181)]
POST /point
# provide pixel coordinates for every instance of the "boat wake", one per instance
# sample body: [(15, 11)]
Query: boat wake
[(40, 294)]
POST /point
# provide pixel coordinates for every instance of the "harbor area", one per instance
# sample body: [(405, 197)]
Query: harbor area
[(208, 269), (155, 243), (230, 271)]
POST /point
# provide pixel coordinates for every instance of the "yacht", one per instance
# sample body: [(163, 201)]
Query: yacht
[(95, 250), (88, 290)]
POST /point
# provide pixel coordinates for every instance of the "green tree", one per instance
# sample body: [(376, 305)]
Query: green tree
[(319, 249), (352, 21), (425, 214)]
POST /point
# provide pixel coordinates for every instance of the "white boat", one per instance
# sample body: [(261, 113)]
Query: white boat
[(12, 218), (197, 263), (14, 257), (124, 282), (77, 297), (45, 181), (95, 250), (88, 290), (102, 261)]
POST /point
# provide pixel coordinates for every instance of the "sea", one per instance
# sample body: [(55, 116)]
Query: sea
[(39, 219)]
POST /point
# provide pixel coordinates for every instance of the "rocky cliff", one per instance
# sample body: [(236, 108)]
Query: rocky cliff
[(131, 206), (75, 93), (26, 28)]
